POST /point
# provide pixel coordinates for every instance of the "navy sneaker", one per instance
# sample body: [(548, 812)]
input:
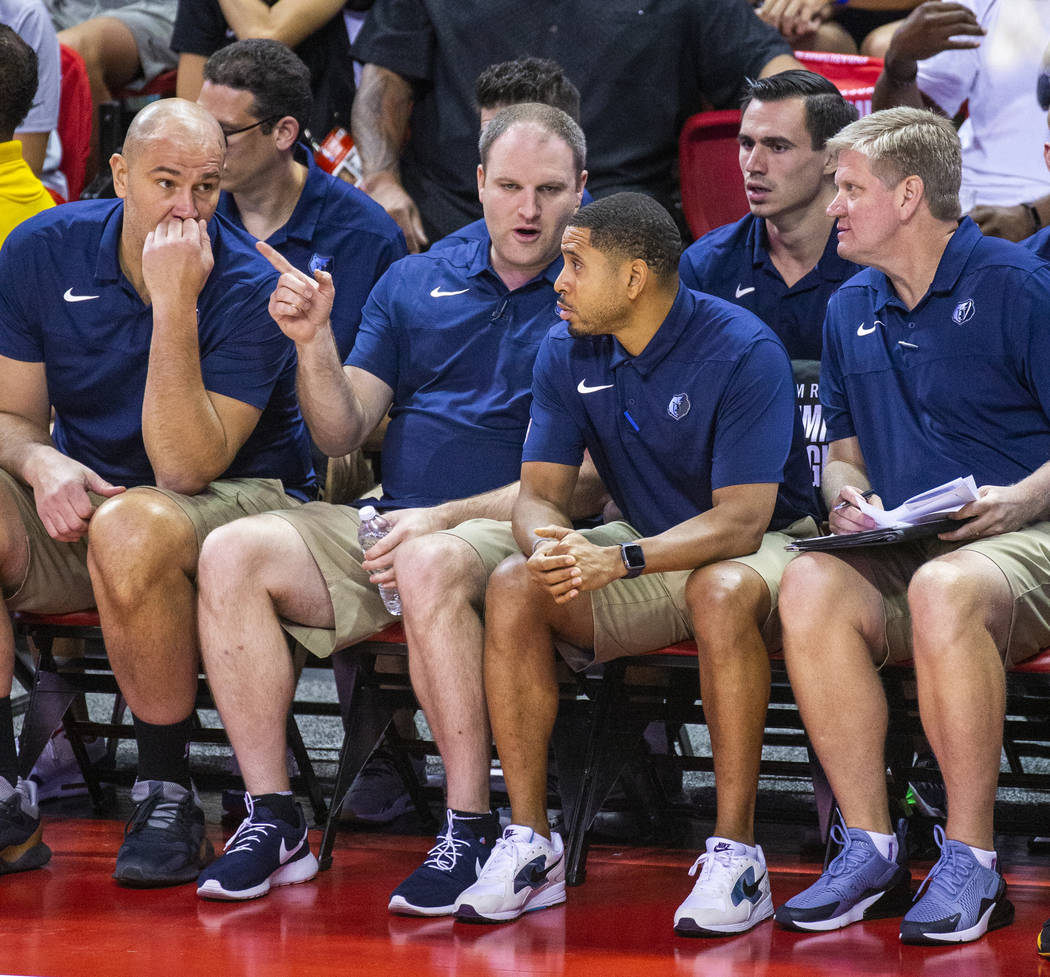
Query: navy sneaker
[(452, 865), (164, 841), (20, 846), (959, 901), (858, 884), (263, 852)]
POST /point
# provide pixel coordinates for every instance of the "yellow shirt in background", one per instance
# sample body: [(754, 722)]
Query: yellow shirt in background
[(21, 193)]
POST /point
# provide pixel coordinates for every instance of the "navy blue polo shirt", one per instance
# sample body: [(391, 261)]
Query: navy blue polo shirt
[(457, 349), (337, 228), (478, 229), (709, 403), (733, 262), (1039, 243), (959, 385), (65, 302)]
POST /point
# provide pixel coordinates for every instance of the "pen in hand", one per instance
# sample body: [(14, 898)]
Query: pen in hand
[(845, 503)]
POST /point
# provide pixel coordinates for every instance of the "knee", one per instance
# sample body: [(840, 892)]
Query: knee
[(509, 581), (802, 590), (227, 557), (135, 537), (724, 592), (434, 568), (942, 597)]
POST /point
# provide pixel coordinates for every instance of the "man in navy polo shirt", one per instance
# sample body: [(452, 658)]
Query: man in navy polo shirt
[(509, 83), (687, 406), (780, 261), (936, 365), (259, 91), (143, 323), (446, 344)]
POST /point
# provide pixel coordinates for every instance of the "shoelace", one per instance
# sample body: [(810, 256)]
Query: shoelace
[(444, 855), (249, 831), (949, 872), (717, 869), (162, 815)]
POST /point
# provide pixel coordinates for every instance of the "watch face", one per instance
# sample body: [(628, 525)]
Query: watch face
[(633, 557)]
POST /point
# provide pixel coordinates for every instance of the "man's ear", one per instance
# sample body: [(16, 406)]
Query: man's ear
[(286, 132), (637, 277), (118, 166), (481, 182), (911, 191)]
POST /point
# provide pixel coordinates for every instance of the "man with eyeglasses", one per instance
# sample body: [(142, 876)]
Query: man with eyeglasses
[(144, 323), (259, 91)]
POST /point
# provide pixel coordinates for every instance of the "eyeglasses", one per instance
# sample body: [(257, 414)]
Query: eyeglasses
[(233, 132)]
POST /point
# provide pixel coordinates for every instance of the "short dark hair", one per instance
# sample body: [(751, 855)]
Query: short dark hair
[(633, 225), (278, 80), (527, 80), (827, 112), (548, 118), (18, 80)]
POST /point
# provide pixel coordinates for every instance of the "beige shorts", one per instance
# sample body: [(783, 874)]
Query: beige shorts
[(1023, 557), (330, 534), (649, 612), (56, 579)]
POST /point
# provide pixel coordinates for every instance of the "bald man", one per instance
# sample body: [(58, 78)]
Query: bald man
[(143, 323)]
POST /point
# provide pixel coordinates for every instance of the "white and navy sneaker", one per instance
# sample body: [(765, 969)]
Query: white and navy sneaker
[(732, 893), (56, 772), (524, 872), (263, 852), (451, 866)]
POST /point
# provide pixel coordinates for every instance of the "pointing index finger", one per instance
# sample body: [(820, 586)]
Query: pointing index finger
[(278, 260)]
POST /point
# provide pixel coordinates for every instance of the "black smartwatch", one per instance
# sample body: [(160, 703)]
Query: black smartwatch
[(633, 559)]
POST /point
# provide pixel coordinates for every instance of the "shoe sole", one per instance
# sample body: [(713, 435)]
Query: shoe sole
[(998, 915), (894, 901), (687, 926), (301, 870), (545, 898), (32, 853), (402, 907), (135, 878)]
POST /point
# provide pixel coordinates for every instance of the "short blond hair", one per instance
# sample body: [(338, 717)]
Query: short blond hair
[(903, 142)]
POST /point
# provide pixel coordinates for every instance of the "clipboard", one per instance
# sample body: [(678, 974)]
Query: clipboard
[(880, 536)]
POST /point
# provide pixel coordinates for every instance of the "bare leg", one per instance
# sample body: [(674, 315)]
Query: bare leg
[(112, 61), (520, 680), (253, 571), (442, 585), (833, 632), (961, 607), (14, 558), (142, 555), (728, 602)]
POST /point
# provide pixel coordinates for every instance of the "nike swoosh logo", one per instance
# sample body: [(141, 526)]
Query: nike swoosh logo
[(751, 889), (70, 297), (861, 331), (284, 854), (743, 291), (438, 293), (584, 389), (532, 874)]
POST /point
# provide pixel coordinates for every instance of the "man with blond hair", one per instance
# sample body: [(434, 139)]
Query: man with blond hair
[(939, 302)]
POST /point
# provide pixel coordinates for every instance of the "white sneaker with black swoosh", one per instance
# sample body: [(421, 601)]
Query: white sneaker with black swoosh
[(524, 872), (732, 893)]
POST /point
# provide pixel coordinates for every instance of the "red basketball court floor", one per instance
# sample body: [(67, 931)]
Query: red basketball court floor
[(71, 920)]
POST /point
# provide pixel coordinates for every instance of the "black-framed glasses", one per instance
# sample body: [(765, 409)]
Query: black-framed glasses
[(233, 132)]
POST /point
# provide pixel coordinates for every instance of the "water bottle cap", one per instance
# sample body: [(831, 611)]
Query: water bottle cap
[(368, 512)]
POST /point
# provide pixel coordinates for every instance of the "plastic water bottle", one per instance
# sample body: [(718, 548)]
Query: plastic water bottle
[(373, 528)]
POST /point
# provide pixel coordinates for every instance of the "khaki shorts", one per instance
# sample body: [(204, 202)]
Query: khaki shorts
[(56, 579), (1023, 557), (330, 534), (649, 612)]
